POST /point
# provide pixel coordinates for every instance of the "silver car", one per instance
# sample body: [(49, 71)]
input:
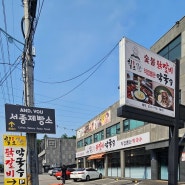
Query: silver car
[(85, 174)]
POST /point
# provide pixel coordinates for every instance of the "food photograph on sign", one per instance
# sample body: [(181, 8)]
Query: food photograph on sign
[(144, 90), (147, 80)]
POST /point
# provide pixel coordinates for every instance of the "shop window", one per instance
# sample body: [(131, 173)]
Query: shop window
[(172, 51), (137, 157), (80, 162), (137, 164), (130, 124), (80, 144), (99, 136), (113, 130), (88, 141), (114, 166), (51, 143)]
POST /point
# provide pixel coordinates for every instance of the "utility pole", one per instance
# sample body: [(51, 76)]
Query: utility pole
[(28, 69)]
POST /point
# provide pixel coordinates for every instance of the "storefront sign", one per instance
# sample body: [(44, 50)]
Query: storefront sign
[(94, 124), (135, 140), (14, 160), (112, 144), (29, 119), (147, 80)]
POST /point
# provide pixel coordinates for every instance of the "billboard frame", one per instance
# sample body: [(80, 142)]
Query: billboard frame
[(174, 124)]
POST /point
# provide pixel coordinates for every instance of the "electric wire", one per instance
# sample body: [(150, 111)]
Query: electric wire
[(81, 74), (66, 128), (9, 73), (3, 59), (99, 65), (10, 36), (38, 14), (8, 53)]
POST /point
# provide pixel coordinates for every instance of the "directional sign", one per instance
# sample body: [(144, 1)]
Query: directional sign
[(29, 119), (15, 181), (15, 150)]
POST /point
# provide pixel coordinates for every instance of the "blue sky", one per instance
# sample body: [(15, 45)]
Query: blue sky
[(71, 37)]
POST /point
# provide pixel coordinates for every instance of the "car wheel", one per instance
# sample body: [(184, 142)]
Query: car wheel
[(100, 176), (74, 180), (87, 178)]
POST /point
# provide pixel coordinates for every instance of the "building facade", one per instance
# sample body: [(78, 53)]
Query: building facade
[(120, 147), (55, 152)]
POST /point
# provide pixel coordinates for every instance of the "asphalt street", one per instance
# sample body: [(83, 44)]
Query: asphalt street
[(45, 179)]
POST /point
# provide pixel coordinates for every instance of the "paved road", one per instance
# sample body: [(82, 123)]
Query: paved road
[(45, 179)]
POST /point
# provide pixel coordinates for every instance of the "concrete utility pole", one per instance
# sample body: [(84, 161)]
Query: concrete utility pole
[(28, 68)]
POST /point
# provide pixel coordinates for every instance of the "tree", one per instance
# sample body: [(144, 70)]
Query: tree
[(73, 137), (64, 136)]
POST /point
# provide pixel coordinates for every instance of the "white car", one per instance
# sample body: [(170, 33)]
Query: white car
[(53, 171), (85, 174), (50, 172)]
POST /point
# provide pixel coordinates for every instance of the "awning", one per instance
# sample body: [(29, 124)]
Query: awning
[(96, 156)]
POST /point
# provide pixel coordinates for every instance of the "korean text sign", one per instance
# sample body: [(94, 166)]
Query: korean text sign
[(147, 80), (15, 151), (112, 143), (29, 119)]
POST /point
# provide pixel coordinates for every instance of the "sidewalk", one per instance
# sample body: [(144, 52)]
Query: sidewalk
[(147, 182), (155, 182)]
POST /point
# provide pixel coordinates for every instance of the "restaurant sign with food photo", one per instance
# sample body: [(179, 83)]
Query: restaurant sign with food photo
[(147, 80)]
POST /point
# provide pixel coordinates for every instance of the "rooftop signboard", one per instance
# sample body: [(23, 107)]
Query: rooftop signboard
[(29, 119), (147, 80)]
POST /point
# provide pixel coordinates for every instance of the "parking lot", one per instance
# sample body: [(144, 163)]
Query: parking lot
[(45, 179)]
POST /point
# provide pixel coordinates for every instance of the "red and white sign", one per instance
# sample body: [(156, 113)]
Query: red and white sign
[(15, 152), (112, 143), (147, 80)]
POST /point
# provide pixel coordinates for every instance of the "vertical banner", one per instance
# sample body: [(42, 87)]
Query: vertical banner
[(15, 151)]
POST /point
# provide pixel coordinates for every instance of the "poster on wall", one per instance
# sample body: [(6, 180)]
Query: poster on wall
[(15, 151), (147, 80)]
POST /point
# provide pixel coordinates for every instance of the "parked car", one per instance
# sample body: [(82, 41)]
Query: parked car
[(53, 171), (85, 174), (50, 171), (58, 174)]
